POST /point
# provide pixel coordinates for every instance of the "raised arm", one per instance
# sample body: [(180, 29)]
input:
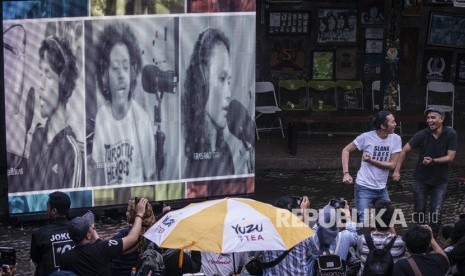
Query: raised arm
[(434, 244), (131, 239)]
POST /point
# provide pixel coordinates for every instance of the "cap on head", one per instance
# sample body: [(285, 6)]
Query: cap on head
[(79, 226), (435, 109)]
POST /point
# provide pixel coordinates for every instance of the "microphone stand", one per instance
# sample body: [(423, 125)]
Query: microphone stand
[(251, 151), (159, 137)]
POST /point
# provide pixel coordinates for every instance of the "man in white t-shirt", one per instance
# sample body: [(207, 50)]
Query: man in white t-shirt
[(381, 148), (123, 148)]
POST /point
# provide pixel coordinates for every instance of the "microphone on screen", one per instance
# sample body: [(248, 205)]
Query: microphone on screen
[(240, 123), (155, 80)]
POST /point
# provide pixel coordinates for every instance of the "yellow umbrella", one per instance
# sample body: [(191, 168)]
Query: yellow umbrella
[(229, 225)]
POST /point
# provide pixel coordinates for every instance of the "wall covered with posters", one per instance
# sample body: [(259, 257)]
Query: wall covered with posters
[(372, 40), (108, 102)]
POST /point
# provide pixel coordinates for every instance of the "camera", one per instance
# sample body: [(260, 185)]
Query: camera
[(338, 203), (297, 201), (7, 257)]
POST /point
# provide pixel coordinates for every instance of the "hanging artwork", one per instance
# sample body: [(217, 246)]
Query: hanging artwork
[(446, 30), (372, 12), (323, 65), (436, 65), (374, 33), (337, 26), (346, 63), (288, 23), (372, 65), (288, 57), (374, 46)]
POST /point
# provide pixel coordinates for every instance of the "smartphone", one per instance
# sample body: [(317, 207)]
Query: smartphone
[(8, 256), (136, 200)]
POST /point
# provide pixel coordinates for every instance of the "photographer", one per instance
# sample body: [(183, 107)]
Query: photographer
[(295, 262), (335, 231)]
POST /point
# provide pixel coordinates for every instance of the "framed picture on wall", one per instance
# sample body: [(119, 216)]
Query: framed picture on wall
[(460, 69), (374, 46), (446, 30), (374, 33), (346, 63), (288, 23), (323, 65), (436, 65), (372, 65), (337, 26), (371, 12), (287, 57)]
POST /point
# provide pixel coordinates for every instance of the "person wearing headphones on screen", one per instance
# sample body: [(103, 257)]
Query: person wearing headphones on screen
[(123, 147), (55, 160), (205, 104)]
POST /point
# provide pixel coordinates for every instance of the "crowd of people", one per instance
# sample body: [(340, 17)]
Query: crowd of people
[(74, 247), (365, 245)]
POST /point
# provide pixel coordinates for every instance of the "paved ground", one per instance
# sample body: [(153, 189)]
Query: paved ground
[(314, 172)]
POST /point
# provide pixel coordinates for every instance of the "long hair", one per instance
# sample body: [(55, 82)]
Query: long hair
[(112, 34), (379, 119), (148, 219), (196, 91)]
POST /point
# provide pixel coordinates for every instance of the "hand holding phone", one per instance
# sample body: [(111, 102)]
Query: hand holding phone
[(7, 257)]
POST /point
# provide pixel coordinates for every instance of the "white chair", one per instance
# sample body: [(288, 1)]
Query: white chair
[(375, 90), (266, 103), (436, 96)]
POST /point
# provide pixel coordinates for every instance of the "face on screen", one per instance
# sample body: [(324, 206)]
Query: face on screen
[(48, 88), (219, 85), (119, 75)]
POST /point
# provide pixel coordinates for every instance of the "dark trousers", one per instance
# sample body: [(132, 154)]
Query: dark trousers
[(437, 195)]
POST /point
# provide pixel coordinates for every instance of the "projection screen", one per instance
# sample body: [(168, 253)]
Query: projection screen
[(107, 104)]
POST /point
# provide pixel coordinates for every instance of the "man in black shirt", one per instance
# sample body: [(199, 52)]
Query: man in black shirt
[(92, 256), (419, 239), (437, 145), (51, 240)]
